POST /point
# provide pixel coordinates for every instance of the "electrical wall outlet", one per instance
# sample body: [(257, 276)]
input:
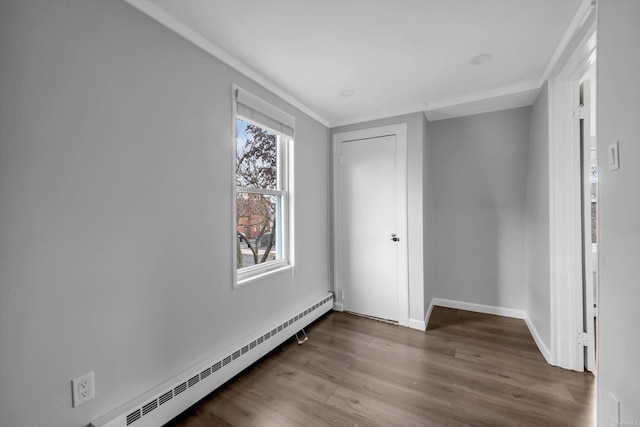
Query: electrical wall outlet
[(83, 389)]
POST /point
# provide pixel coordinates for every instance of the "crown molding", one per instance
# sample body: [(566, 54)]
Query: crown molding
[(171, 22), (384, 114), (479, 96), (481, 102), (584, 12), (503, 98)]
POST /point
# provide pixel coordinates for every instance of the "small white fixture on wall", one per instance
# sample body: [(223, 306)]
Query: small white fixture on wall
[(613, 156)]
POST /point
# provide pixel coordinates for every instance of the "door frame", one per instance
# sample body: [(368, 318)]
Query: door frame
[(565, 205), (586, 86), (400, 132)]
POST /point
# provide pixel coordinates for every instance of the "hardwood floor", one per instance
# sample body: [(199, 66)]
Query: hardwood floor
[(468, 369)]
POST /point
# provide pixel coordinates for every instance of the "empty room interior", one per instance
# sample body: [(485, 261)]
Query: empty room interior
[(319, 212)]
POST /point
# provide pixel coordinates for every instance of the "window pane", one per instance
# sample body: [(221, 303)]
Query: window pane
[(258, 228), (256, 156)]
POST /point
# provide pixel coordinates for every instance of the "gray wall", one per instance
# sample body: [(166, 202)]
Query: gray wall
[(537, 255), (479, 178), (619, 208), (115, 216), (415, 140)]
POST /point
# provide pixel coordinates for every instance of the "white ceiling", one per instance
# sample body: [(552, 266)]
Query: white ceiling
[(397, 56)]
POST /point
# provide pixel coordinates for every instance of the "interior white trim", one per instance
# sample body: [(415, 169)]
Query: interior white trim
[(546, 353), (400, 131), (269, 115), (478, 308), (417, 324), (565, 216), (178, 27), (513, 96), (582, 14), (263, 113), (507, 101), (501, 91), (428, 315), (383, 114), (509, 97), (520, 95)]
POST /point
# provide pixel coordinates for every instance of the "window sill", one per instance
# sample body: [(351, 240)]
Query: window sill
[(245, 279)]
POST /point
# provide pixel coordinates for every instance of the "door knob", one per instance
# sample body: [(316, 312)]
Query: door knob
[(394, 237)]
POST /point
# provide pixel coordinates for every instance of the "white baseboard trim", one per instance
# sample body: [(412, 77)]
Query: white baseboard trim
[(478, 308), (337, 306), (428, 315), (499, 311), (536, 337), (417, 324)]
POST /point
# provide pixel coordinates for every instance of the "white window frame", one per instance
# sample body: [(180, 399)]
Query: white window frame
[(260, 113)]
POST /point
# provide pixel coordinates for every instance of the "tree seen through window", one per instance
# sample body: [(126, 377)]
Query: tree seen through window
[(258, 197)]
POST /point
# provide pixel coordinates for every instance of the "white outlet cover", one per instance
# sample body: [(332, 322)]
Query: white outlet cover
[(83, 389)]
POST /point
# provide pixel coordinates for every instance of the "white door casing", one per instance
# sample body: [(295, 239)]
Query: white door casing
[(565, 201), (367, 164), (588, 255)]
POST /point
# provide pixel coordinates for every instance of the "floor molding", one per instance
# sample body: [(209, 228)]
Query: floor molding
[(417, 324), (546, 353), (428, 315), (479, 308)]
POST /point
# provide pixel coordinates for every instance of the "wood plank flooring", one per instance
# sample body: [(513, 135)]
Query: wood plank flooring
[(468, 369)]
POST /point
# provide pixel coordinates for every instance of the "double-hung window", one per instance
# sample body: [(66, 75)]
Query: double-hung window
[(263, 145)]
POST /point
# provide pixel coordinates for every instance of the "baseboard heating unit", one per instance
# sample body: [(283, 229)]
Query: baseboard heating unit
[(163, 403)]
